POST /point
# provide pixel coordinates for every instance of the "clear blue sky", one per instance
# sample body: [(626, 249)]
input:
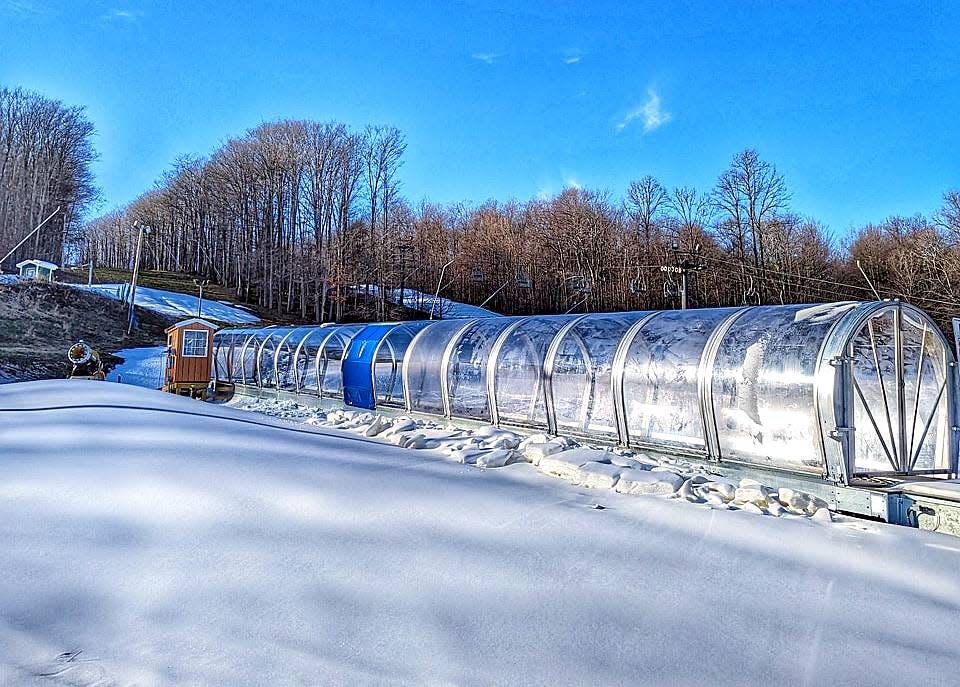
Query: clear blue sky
[(857, 103)]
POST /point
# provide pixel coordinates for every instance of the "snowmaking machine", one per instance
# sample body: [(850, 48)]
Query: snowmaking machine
[(85, 361)]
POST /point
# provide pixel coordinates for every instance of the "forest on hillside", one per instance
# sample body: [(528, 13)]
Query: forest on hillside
[(301, 217), (46, 149)]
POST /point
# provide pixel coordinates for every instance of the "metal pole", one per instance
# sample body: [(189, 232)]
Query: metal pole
[(491, 296), (27, 237), (133, 280), (436, 296), (683, 288)]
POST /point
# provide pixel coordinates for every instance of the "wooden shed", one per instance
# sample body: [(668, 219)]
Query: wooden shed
[(189, 357)]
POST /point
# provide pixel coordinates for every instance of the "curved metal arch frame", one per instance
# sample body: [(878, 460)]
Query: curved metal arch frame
[(243, 352), (223, 333), (494, 352), (406, 363), (259, 358), (276, 356), (708, 358), (322, 351), (617, 372), (395, 367), (296, 354), (549, 361), (834, 383), (492, 363), (445, 364)]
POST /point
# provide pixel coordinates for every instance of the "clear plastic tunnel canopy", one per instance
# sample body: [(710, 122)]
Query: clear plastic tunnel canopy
[(839, 390)]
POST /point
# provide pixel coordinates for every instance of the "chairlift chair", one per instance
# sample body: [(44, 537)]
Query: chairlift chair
[(476, 275)]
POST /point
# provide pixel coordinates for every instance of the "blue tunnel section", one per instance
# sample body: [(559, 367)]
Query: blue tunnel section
[(359, 364), (837, 392)]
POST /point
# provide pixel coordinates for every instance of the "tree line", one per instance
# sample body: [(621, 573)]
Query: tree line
[(308, 219), (46, 150)]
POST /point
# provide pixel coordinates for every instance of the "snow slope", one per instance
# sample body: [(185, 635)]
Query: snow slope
[(443, 308), (140, 366), (174, 542), (178, 305)]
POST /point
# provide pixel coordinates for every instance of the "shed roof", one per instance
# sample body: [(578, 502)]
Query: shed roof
[(39, 263), (186, 323)]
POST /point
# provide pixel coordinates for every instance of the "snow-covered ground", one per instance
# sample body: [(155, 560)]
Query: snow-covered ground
[(443, 308), (175, 304), (9, 278), (174, 542), (140, 366)]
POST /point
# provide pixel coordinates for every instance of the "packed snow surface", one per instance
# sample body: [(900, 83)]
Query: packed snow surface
[(179, 305), (140, 366), (155, 540), (442, 308)]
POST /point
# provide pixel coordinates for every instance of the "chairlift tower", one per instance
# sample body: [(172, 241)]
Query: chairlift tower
[(685, 263)]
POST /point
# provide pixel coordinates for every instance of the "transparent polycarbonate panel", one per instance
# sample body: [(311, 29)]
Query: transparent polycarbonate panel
[(661, 396), (519, 382), (423, 378), (267, 373), (306, 359), (927, 427), (875, 407), (238, 354), (922, 441), (330, 357), (581, 382), (286, 368), (388, 367), (763, 385), (222, 343), (250, 355), (467, 372)]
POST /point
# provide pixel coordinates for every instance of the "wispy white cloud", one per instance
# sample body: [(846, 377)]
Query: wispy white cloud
[(24, 6), (124, 15), (488, 57), (651, 112), (572, 60)]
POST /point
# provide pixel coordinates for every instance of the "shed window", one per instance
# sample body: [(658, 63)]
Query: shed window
[(195, 344)]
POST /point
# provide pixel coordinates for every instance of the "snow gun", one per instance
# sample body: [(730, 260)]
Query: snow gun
[(86, 362)]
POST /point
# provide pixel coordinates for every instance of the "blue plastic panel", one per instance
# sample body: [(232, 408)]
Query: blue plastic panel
[(357, 366)]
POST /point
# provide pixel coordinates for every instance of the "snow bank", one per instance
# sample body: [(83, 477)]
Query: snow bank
[(178, 305), (173, 542), (623, 471), (140, 367)]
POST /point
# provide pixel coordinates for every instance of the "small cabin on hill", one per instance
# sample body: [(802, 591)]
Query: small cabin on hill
[(37, 269), (189, 357)]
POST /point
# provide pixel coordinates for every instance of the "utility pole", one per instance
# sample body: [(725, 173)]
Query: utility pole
[(27, 237), (136, 271), (683, 267), (201, 284), (436, 296)]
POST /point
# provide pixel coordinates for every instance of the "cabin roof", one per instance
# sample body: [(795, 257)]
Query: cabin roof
[(39, 263), (187, 323)]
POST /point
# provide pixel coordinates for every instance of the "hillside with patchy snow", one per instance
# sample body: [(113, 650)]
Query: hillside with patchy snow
[(173, 304), (174, 542)]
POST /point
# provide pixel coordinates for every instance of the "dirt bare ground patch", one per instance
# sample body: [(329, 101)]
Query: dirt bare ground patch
[(40, 320)]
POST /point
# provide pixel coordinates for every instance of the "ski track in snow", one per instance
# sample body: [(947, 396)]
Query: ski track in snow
[(209, 545)]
